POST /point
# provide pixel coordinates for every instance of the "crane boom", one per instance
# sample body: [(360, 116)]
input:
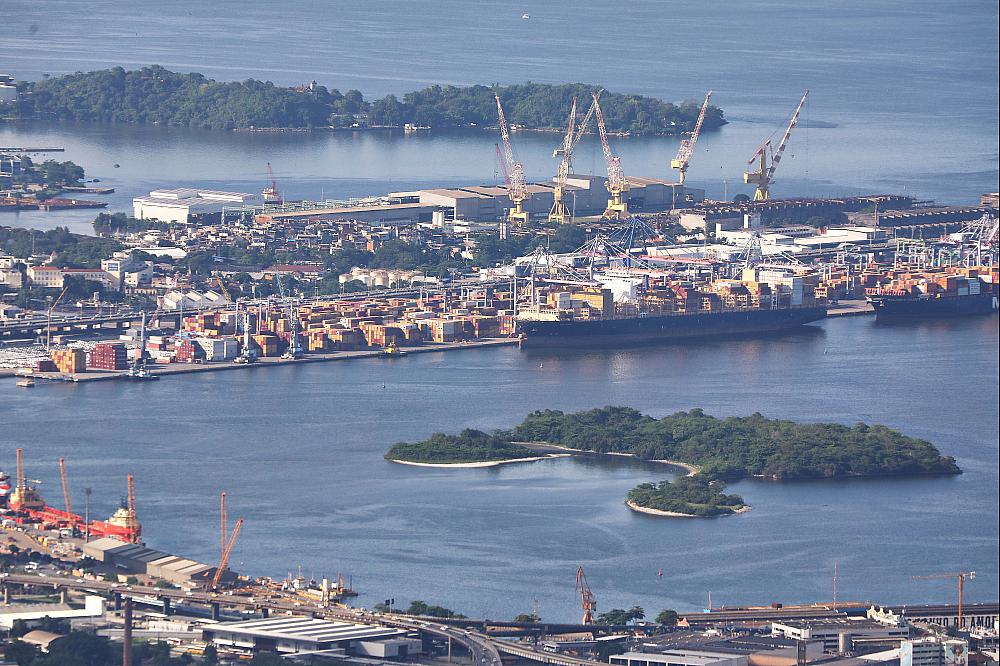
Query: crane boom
[(65, 484), (223, 528), (133, 513), (617, 184), (271, 193), (517, 189), (502, 161), (558, 213), (962, 576), (227, 550), (767, 158), (686, 149)]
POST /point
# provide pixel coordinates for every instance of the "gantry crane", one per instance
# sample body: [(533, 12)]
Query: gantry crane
[(558, 214), (271, 193), (767, 158), (291, 311), (226, 551), (133, 515), (587, 600), (517, 190), (962, 576), (616, 183), (686, 149), (65, 485)]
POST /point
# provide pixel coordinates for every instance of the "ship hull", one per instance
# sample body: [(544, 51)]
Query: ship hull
[(906, 307), (664, 328)]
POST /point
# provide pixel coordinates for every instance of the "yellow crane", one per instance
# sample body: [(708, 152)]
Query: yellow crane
[(517, 189), (559, 214), (686, 149), (767, 158), (962, 576), (617, 184)]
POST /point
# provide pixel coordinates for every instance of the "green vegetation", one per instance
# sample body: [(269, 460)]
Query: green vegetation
[(72, 250), (119, 223), (469, 446), (667, 617), (619, 616), (157, 95), (422, 608), (691, 495), (738, 447)]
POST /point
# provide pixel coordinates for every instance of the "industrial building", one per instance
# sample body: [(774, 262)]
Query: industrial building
[(700, 649), (136, 559), (835, 634), (297, 634), (185, 205)]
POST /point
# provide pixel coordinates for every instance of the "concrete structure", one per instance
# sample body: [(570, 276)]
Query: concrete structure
[(296, 634), (186, 205), (406, 212), (8, 91), (934, 651), (93, 607), (191, 300), (832, 633), (54, 277), (11, 273), (135, 559), (679, 658)]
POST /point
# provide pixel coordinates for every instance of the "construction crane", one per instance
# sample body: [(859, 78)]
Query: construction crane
[(616, 183), (686, 149), (962, 576), (65, 484), (133, 515), (587, 600), (558, 213), (226, 551), (767, 158), (517, 190), (271, 193), (48, 324)]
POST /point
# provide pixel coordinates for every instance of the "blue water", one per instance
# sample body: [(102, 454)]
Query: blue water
[(300, 452), (904, 93)]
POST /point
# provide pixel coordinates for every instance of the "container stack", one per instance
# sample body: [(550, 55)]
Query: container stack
[(109, 356), (70, 361)]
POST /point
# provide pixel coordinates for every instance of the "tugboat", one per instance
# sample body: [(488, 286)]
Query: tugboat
[(392, 351)]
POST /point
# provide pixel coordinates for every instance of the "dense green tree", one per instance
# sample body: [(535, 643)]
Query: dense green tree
[(20, 652), (422, 608), (667, 617)]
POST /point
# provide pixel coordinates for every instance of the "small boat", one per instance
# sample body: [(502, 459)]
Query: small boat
[(141, 373), (392, 350), (525, 16), (27, 382)]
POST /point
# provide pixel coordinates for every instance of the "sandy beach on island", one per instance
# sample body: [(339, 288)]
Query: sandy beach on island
[(674, 514), (486, 463)]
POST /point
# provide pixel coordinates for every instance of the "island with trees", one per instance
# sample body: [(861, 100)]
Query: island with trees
[(714, 450), (157, 95)]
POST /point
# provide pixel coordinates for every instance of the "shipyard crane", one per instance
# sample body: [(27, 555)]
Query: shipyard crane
[(558, 213), (65, 485), (271, 193), (767, 158), (294, 344), (616, 183), (587, 600), (962, 576), (133, 515), (686, 149), (226, 551), (517, 190), (502, 161)]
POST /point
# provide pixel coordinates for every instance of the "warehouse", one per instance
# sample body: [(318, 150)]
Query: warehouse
[(136, 559), (185, 205), (296, 634)]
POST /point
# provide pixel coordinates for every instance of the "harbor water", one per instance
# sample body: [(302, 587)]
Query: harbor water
[(299, 450)]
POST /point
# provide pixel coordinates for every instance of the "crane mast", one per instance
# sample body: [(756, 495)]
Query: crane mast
[(767, 159), (271, 193), (588, 601), (226, 551), (686, 149), (517, 190), (559, 214), (616, 183), (65, 484), (133, 514)]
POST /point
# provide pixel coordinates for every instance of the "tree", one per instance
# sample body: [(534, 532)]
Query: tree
[(526, 617), (20, 652), (84, 649), (210, 656), (667, 617)]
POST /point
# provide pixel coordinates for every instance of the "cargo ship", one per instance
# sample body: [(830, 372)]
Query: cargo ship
[(949, 292), (630, 311)]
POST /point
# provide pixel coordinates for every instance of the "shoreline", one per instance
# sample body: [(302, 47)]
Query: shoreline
[(690, 468), (481, 464), (675, 514)]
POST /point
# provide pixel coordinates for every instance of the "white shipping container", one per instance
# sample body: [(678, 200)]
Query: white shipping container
[(974, 286)]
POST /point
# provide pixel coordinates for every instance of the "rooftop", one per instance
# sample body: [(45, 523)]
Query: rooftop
[(306, 628)]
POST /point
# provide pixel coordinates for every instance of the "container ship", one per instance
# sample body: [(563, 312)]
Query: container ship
[(951, 292), (625, 309), (24, 505)]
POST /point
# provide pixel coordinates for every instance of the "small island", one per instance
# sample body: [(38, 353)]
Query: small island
[(713, 450)]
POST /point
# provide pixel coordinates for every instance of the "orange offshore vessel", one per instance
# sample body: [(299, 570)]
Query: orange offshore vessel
[(27, 506)]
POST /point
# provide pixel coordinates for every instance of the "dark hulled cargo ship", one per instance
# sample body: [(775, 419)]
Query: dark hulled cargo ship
[(665, 327), (906, 306)]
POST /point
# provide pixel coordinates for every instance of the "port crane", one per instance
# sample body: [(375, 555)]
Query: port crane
[(517, 189), (686, 149), (767, 158), (587, 599), (961, 576), (294, 344), (617, 184), (271, 193), (559, 213), (65, 485), (226, 552)]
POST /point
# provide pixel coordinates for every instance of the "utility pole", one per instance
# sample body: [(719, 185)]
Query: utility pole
[(127, 634)]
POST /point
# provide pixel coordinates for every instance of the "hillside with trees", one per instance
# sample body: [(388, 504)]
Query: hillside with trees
[(157, 95)]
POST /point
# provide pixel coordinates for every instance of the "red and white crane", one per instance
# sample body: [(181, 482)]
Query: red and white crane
[(767, 158), (517, 189), (686, 149), (271, 193), (617, 184)]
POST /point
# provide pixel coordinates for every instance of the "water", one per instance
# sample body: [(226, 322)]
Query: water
[(299, 449), (904, 96)]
